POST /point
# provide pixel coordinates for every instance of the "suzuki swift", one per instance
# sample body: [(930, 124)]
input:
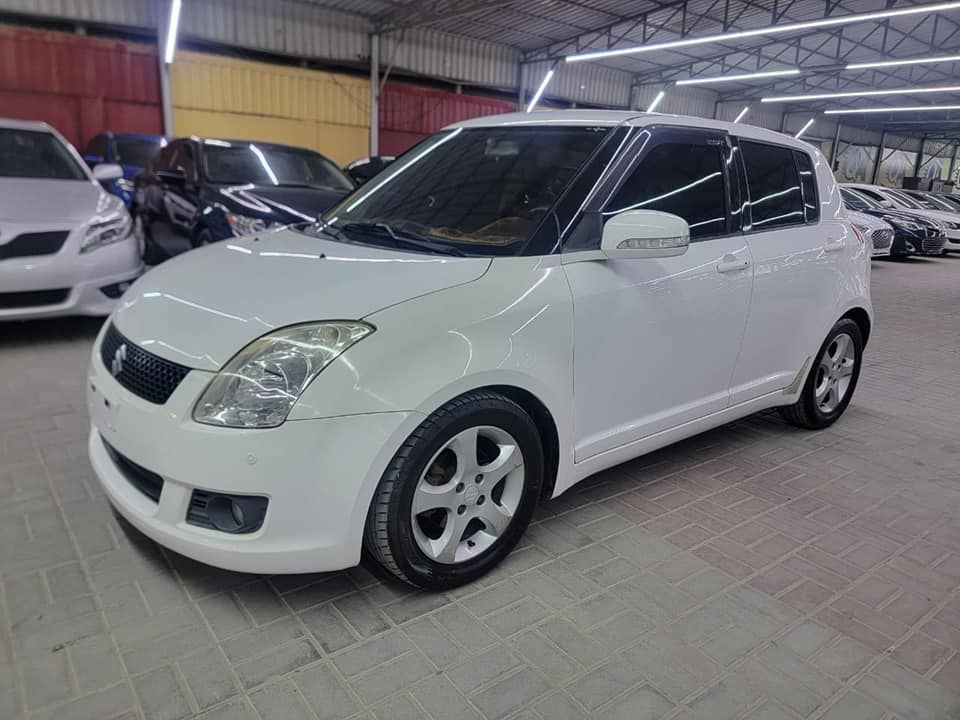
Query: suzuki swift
[(515, 304)]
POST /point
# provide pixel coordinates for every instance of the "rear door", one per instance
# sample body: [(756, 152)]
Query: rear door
[(656, 339), (796, 255)]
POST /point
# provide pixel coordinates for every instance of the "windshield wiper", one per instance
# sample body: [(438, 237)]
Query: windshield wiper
[(402, 237)]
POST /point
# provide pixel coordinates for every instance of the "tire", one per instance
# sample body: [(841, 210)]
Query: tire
[(457, 541), (204, 237), (149, 250), (818, 408)]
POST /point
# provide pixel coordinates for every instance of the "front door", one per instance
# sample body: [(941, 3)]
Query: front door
[(656, 340)]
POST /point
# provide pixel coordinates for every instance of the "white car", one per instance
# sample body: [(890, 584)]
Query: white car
[(899, 200), (875, 231), (66, 246), (516, 304)]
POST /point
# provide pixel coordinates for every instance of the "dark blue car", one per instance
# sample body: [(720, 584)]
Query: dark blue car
[(129, 151)]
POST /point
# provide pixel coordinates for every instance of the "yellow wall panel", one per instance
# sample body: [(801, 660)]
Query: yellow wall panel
[(216, 96)]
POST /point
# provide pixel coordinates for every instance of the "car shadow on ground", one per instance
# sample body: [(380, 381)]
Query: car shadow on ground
[(53, 330)]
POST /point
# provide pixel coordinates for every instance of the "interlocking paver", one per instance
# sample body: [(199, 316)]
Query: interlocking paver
[(755, 572)]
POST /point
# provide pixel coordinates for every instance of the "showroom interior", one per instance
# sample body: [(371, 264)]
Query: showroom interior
[(208, 173)]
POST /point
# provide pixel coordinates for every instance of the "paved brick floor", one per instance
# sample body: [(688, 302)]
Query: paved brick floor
[(753, 572)]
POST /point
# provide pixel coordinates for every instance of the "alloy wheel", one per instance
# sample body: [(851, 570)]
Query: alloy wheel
[(468, 495), (834, 373)]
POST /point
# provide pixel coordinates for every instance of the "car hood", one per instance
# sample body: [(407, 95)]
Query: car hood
[(280, 204), (200, 308), (33, 200), (909, 215)]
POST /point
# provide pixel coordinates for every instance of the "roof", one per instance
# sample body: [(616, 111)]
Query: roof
[(25, 125), (616, 117)]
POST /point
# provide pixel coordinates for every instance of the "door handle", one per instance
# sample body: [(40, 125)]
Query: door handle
[(728, 266), (833, 245)]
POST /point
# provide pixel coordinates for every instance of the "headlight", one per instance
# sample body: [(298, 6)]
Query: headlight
[(244, 225), (125, 185), (864, 230), (260, 385), (107, 232), (901, 223)]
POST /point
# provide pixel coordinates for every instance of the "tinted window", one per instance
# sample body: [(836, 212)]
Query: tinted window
[(184, 160), (682, 179), (36, 154), (481, 190), (271, 165), (905, 200), (98, 147), (872, 194), (162, 160), (136, 152), (775, 198), (808, 184)]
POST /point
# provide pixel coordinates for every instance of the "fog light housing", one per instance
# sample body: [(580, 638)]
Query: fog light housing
[(116, 290), (234, 514)]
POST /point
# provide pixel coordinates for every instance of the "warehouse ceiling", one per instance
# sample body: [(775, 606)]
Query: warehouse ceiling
[(553, 29)]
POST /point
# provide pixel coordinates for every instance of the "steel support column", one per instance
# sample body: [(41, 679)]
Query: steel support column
[(876, 164), (521, 87), (374, 95), (835, 148), (919, 163), (953, 162)]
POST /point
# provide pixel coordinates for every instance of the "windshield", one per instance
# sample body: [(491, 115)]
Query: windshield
[(137, 152), (936, 203), (905, 200), (36, 154), (855, 201), (266, 165), (479, 191), (952, 201)]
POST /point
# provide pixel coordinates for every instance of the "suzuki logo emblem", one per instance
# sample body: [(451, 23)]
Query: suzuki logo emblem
[(116, 367)]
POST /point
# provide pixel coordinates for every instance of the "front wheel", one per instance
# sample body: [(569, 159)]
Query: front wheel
[(831, 381), (458, 494)]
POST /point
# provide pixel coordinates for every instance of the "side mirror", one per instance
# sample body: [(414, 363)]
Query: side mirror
[(105, 172), (888, 204), (644, 234)]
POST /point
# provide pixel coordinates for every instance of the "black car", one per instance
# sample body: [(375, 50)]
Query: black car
[(913, 234), (194, 192)]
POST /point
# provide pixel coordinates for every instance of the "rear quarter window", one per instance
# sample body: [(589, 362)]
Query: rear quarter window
[(776, 199)]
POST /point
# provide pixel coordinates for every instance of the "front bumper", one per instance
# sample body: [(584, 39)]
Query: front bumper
[(81, 276), (318, 476)]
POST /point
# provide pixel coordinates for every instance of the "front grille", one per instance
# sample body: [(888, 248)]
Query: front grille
[(882, 239), (144, 374), (933, 243), (34, 298), (32, 244), (146, 481)]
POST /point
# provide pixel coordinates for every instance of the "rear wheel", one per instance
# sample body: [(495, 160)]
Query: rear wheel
[(458, 494), (831, 381)]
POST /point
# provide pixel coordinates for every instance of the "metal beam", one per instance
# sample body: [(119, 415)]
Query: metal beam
[(835, 146), (919, 163), (876, 164)]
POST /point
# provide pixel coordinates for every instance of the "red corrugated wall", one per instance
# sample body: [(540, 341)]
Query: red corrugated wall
[(408, 113), (79, 85)]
